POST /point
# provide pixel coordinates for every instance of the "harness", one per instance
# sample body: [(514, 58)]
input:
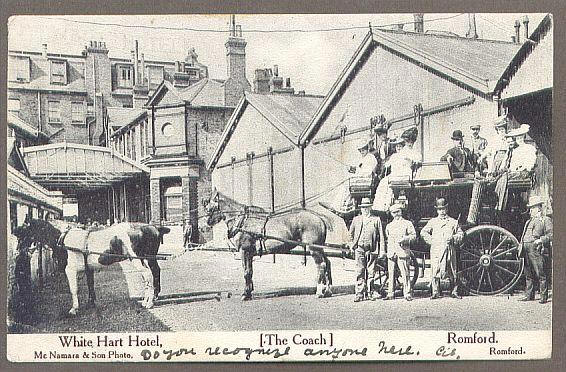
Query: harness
[(84, 250)]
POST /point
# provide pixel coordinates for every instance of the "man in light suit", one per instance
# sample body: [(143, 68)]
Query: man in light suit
[(367, 245), (535, 242)]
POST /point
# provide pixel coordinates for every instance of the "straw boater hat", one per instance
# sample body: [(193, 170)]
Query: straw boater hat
[(457, 135), (395, 207), (362, 144), (500, 121), (534, 201), (521, 131), (440, 203), (366, 202), (397, 141), (475, 126)]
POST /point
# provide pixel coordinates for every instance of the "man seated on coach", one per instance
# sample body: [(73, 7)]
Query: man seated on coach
[(459, 158)]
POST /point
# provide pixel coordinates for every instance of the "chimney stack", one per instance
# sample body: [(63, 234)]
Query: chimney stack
[(419, 22), (44, 50), (142, 69), (517, 31), (275, 70), (237, 82), (288, 83), (513, 40), (526, 25), (135, 68)]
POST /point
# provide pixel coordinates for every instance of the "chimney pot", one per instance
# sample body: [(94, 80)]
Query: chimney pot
[(513, 40), (419, 22), (288, 83), (44, 50), (526, 25), (517, 30), (275, 70)]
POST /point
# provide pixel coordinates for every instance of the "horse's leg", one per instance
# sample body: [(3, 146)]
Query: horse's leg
[(156, 273), (328, 278), (147, 277), (247, 264), (90, 283), (73, 288), (321, 272)]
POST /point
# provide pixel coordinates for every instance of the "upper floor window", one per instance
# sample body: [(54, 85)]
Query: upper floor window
[(14, 105), (58, 72), (78, 114), (19, 68), (54, 111), (125, 76), (155, 75)]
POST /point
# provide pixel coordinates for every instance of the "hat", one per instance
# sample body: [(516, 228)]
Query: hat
[(521, 131), (366, 202), (410, 134), (363, 143), (475, 126), (440, 203), (535, 200), (395, 207), (457, 135), (381, 129), (397, 141), (500, 121)]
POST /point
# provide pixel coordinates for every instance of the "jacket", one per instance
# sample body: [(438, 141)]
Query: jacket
[(462, 159), (542, 229), (377, 241)]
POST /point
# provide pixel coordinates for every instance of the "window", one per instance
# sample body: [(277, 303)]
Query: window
[(19, 69), (14, 105), (155, 76), (125, 75), (167, 129), (174, 201), (58, 72), (54, 111), (78, 112)]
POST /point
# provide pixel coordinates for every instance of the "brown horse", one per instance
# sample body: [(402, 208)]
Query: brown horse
[(114, 242), (246, 225)]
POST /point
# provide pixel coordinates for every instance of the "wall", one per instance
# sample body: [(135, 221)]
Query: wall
[(175, 143)]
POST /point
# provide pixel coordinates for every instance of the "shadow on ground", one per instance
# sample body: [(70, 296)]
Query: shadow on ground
[(114, 312)]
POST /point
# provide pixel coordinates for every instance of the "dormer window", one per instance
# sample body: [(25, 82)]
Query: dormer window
[(19, 69), (58, 72), (125, 75)]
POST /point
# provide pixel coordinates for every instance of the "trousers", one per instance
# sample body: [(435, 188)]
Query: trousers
[(403, 263), (365, 270), (534, 270)]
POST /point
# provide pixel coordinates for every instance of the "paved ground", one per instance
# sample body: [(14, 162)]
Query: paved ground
[(210, 271)]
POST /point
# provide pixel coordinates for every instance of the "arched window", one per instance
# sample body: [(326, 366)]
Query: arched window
[(167, 129)]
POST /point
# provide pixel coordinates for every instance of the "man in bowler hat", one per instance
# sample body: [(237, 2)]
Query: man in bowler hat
[(459, 158)]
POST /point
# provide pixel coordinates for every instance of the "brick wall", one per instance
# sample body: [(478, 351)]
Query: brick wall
[(154, 188)]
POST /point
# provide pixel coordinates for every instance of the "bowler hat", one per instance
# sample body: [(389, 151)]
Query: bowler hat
[(457, 135), (366, 202), (535, 200), (440, 203)]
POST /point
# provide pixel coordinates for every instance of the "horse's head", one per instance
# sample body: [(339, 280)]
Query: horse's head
[(38, 231), (25, 238)]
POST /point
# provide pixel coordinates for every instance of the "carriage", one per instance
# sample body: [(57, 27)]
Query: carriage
[(488, 257)]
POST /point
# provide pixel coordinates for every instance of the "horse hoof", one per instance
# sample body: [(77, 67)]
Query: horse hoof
[(246, 298), (73, 312), (327, 294)]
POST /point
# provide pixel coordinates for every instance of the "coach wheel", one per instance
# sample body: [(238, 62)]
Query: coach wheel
[(489, 260)]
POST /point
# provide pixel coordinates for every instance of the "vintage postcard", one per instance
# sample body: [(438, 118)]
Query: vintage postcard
[(273, 188)]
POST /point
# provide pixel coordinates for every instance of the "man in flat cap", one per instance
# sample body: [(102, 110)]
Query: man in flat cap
[(400, 234), (368, 244), (443, 234), (459, 158), (535, 242), (478, 143)]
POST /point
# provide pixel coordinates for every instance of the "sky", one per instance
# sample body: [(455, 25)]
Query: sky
[(312, 60)]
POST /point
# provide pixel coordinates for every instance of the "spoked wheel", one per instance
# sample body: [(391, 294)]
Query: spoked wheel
[(489, 261), (382, 275)]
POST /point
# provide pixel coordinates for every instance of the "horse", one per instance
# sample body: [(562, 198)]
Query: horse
[(78, 250), (247, 224)]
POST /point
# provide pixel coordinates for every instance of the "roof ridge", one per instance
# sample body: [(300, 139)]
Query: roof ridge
[(444, 36)]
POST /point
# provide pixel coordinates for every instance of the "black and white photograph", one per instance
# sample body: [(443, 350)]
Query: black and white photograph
[(279, 187)]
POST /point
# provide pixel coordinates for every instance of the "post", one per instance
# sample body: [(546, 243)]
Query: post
[(271, 178), (303, 196), (40, 265)]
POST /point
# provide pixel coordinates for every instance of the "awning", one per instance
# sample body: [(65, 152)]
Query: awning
[(74, 166)]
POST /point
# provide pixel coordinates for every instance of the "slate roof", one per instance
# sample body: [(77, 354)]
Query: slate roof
[(290, 114), (486, 59), (119, 117), (24, 128), (207, 93)]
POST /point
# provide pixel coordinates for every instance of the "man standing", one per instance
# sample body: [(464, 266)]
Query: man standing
[(478, 144), (535, 241), (442, 233), (400, 234), (459, 158), (383, 148), (368, 244)]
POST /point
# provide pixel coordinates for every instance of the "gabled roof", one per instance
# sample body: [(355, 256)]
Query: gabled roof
[(475, 64), (14, 157), (24, 128), (205, 93), (289, 114), (119, 117), (528, 46)]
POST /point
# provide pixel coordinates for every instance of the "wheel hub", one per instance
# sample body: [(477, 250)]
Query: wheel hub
[(485, 260)]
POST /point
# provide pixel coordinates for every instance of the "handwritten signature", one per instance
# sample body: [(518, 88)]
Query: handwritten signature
[(397, 350)]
